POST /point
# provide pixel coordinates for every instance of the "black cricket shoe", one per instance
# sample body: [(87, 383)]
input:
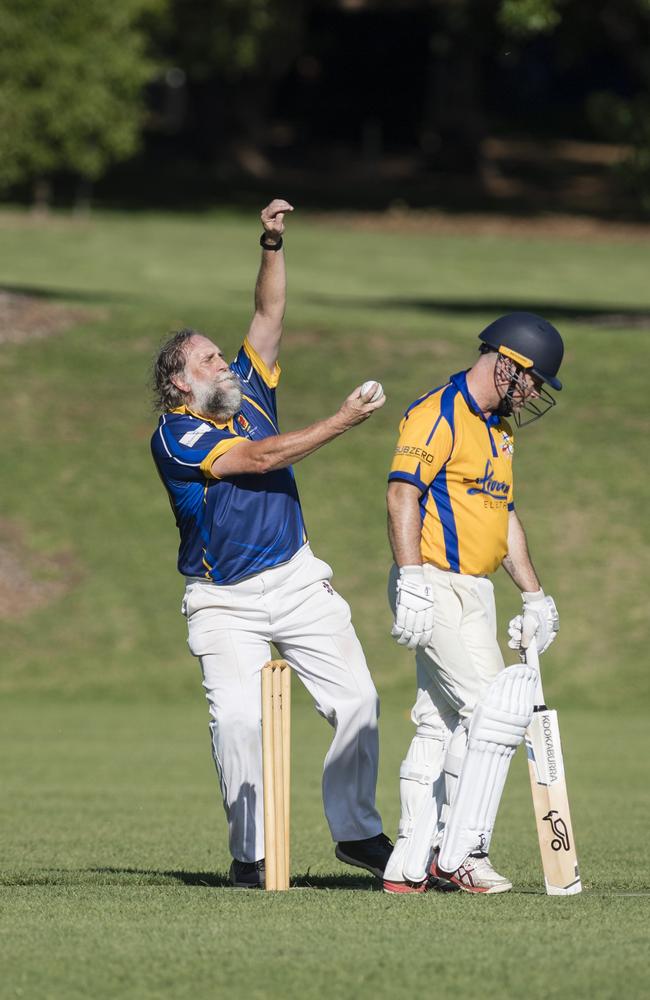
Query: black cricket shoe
[(248, 874), (371, 854)]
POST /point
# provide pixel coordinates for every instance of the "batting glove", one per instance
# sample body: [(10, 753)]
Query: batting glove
[(539, 619), (413, 624)]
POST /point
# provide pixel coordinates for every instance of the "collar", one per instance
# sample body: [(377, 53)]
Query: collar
[(460, 381), (185, 410)]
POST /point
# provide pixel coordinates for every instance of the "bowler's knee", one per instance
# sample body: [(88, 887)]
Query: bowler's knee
[(235, 727), (363, 702)]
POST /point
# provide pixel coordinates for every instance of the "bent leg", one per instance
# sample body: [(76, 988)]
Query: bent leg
[(314, 633)]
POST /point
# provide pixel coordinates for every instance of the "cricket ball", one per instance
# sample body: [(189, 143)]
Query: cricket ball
[(378, 393)]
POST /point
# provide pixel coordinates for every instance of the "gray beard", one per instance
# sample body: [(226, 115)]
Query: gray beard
[(220, 399)]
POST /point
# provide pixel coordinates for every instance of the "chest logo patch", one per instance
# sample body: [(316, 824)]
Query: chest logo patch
[(191, 437), (507, 444), (243, 422)]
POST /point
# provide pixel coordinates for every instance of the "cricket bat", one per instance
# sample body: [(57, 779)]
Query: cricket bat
[(550, 799)]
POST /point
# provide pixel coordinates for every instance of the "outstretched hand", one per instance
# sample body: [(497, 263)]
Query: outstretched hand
[(357, 408), (273, 216)]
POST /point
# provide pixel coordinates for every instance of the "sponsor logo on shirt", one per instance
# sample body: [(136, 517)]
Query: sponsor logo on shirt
[(487, 485), (191, 437), (410, 452)]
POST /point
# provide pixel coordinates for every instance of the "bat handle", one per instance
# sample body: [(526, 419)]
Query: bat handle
[(532, 659)]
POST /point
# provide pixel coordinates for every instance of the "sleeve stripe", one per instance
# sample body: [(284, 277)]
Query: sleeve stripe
[(270, 378), (407, 477), (433, 430)]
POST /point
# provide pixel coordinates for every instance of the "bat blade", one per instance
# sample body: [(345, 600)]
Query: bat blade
[(551, 805)]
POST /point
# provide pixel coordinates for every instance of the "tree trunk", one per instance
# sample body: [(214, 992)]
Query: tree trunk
[(42, 196), (83, 198)]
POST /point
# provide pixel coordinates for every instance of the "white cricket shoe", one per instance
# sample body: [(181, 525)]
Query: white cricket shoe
[(476, 874)]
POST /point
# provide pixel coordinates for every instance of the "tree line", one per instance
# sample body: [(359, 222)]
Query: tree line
[(80, 82)]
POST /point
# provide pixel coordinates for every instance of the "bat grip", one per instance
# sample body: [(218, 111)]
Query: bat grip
[(532, 659)]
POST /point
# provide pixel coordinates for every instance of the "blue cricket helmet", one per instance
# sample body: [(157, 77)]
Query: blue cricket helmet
[(531, 341)]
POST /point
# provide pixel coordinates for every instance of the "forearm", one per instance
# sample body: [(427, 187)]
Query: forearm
[(404, 523), (271, 453), (271, 290), (517, 563), (265, 329)]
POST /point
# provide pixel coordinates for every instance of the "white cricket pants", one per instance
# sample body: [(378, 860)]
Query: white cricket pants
[(463, 657), (230, 631)]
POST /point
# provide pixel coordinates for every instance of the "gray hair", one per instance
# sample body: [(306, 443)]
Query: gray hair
[(170, 361)]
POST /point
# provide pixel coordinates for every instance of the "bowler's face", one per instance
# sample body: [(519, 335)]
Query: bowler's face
[(204, 360)]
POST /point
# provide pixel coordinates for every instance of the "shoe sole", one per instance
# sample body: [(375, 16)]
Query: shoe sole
[(484, 892), (405, 888), (447, 883), (347, 860)]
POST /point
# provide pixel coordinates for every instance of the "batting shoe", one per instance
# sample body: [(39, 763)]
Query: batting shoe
[(248, 874), (476, 874), (405, 888), (435, 882), (371, 854)]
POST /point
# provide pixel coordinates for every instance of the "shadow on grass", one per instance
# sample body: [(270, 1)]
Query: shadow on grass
[(85, 296), (578, 312), (147, 877), (159, 877), (219, 880)]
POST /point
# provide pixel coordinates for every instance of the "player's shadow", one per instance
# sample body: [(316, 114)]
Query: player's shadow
[(221, 880), (611, 315)]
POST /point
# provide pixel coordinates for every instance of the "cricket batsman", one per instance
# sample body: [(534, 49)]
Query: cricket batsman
[(452, 522)]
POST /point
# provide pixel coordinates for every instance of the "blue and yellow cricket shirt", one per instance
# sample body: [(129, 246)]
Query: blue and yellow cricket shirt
[(462, 465), (233, 527)]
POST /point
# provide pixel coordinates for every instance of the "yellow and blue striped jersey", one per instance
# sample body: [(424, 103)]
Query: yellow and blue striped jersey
[(462, 465), (233, 527)]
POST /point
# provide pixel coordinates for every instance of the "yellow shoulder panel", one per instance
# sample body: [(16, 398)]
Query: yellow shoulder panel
[(271, 378), (219, 449)]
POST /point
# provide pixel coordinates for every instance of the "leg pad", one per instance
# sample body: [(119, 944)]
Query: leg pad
[(496, 729)]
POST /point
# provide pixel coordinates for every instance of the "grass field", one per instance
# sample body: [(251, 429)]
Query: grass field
[(112, 882)]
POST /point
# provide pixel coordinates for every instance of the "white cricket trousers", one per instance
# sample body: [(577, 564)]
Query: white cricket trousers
[(453, 672), (230, 631), (463, 657)]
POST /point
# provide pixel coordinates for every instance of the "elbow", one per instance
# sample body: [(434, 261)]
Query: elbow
[(258, 462), (263, 465), (264, 461)]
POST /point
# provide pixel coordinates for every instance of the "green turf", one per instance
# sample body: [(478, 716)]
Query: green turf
[(114, 861), (114, 873), (404, 309)]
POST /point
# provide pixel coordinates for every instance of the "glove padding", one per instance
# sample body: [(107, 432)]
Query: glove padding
[(413, 624), (539, 619)]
